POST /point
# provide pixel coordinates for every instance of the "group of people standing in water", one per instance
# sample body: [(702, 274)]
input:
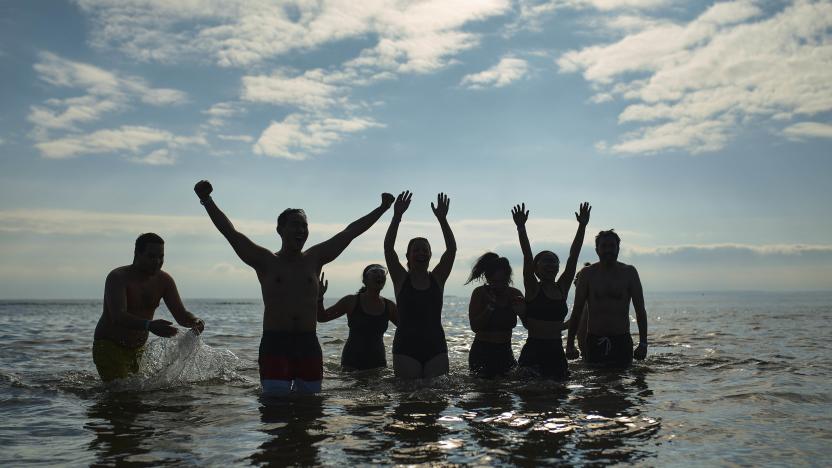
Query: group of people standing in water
[(292, 285)]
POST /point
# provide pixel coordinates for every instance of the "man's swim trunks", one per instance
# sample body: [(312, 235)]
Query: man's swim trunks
[(609, 351), (287, 356), (114, 361)]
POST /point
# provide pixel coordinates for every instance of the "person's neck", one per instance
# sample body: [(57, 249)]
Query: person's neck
[(419, 273), (289, 253), (139, 271), (609, 265), (371, 294)]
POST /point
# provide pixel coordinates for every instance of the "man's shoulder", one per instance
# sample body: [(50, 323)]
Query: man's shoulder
[(119, 272), (628, 269)]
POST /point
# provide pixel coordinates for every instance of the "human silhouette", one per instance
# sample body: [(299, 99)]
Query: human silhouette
[(546, 296), (290, 357), (492, 313), (419, 347), (368, 315)]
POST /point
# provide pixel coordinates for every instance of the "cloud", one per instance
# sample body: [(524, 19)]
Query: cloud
[(243, 138), (306, 91), (532, 13), (105, 92), (410, 36), (693, 85), (298, 135), (133, 139), (219, 113), (160, 157), (509, 69), (803, 130)]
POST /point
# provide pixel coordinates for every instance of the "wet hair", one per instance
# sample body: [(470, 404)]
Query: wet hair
[(364, 274), (543, 252), (147, 238), (488, 264), (611, 234), (281, 219)]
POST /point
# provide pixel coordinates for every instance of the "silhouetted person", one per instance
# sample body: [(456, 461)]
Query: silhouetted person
[(581, 336), (131, 296), (608, 287), (290, 356), (546, 306), (368, 314), (419, 347), (492, 313)]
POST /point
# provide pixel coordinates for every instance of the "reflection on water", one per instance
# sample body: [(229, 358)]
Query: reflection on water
[(733, 382), (294, 429)]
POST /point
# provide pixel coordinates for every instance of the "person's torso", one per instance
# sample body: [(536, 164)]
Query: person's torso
[(365, 325), (143, 296), (290, 294), (609, 301), (419, 309)]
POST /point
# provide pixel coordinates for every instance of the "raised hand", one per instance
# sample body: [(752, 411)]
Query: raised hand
[(162, 328), (324, 284), (583, 214), (387, 200), (441, 208), (203, 189), (402, 203), (520, 214)]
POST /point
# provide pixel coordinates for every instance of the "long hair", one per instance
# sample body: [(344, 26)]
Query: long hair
[(488, 264)]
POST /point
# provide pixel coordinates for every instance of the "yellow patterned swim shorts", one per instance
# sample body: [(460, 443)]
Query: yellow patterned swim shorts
[(114, 361)]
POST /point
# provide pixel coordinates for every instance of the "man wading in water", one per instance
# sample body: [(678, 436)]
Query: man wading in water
[(608, 286), (131, 296), (290, 355)]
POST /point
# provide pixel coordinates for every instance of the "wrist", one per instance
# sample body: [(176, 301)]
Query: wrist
[(521, 227), (204, 199), (642, 342)]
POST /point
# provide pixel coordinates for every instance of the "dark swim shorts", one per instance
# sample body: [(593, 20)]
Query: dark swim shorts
[(287, 356), (609, 351)]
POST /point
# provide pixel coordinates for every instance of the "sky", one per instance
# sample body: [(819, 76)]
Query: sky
[(700, 131)]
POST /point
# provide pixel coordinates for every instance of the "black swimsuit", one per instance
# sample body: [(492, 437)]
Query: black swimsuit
[(546, 356), (487, 359), (364, 348), (419, 333)]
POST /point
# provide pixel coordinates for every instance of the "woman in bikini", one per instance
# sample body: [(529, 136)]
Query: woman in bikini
[(546, 296), (368, 314), (419, 347)]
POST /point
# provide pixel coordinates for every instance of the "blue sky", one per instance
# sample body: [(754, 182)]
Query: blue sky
[(701, 131)]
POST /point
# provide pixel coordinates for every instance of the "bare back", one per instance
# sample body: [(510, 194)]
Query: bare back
[(609, 292)]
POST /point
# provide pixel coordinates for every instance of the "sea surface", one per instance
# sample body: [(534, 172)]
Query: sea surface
[(730, 379)]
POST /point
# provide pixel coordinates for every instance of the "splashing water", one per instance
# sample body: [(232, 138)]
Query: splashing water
[(183, 359)]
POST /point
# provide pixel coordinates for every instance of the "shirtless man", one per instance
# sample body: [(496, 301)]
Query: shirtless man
[(131, 296), (608, 287), (290, 356)]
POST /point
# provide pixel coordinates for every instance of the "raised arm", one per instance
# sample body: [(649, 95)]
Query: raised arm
[(397, 271), (446, 262), (520, 215), (581, 295), (115, 296), (342, 307), (637, 293), (329, 250), (177, 309), (249, 252), (565, 280)]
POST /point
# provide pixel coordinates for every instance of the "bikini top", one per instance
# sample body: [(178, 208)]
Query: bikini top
[(419, 309), (362, 323), (544, 308)]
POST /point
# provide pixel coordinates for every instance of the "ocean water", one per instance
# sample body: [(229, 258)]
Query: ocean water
[(730, 379)]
